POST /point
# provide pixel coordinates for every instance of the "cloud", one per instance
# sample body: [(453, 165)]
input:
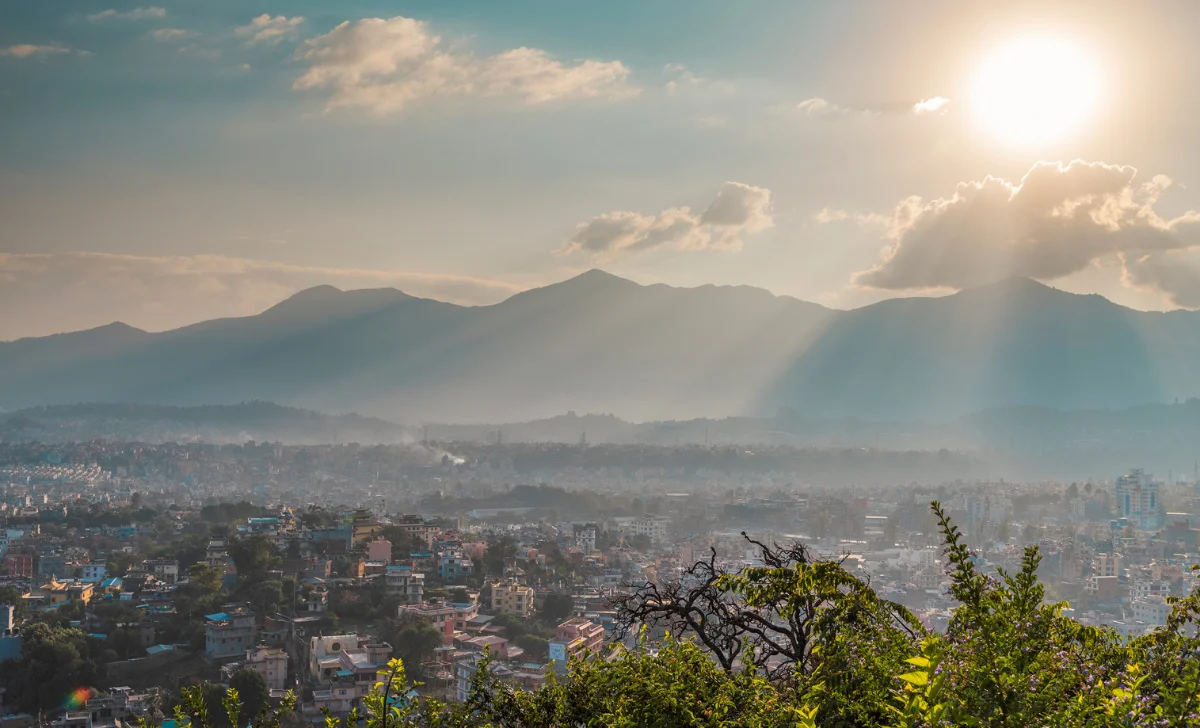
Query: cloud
[(930, 106), (166, 35), (818, 106), (70, 291), (821, 107), (833, 215), (135, 14), (386, 66), (737, 209), (1057, 220), (1173, 273), (268, 30), (27, 50)]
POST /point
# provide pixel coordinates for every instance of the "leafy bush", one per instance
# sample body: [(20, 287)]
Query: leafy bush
[(802, 642)]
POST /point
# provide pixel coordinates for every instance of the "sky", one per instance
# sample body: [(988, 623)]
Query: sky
[(166, 162)]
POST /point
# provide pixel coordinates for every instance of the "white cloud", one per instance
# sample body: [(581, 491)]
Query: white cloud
[(387, 65), (737, 209), (70, 291), (28, 50), (818, 106), (268, 30), (135, 14), (166, 35), (930, 106), (1057, 220)]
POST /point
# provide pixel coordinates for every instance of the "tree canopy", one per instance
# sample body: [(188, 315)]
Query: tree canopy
[(800, 641)]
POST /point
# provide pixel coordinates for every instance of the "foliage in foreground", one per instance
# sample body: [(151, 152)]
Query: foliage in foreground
[(802, 642)]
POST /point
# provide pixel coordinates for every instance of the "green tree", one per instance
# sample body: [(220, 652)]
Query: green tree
[(556, 608), (54, 660), (414, 640), (252, 690), (498, 551)]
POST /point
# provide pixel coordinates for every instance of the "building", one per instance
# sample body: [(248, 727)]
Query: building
[(56, 592), (402, 581), (574, 637), (1152, 610), (1102, 588), (228, 633), (165, 570), (52, 565), (418, 530), (510, 597), (454, 565), (380, 550), (333, 654), (653, 527), (271, 663), (10, 639), (19, 565), (1137, 500), (93, 573), (1106, 564), (446, 617)]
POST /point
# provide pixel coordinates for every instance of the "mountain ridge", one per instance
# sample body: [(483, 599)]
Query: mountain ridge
[(598, 342)]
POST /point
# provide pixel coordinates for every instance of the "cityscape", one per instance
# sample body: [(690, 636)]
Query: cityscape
[(313, 565), (543, 364)]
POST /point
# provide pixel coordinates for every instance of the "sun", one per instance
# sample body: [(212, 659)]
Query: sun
[(1036, 90)]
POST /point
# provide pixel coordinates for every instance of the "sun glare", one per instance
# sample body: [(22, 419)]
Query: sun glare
[(1035, 90)]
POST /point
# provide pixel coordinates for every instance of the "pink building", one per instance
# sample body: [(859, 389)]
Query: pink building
[(380, 550), (574, 637), (445, 617)]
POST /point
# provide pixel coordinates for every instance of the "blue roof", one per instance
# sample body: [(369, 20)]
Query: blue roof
[(344, 673), (218, 617), (159, 649)]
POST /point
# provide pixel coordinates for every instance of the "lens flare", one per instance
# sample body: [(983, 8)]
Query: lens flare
[(77, 698)]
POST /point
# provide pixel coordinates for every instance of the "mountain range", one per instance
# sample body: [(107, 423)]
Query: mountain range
[(600, 343)]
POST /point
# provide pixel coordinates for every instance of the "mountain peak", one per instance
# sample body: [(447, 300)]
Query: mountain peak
[(328, 301)]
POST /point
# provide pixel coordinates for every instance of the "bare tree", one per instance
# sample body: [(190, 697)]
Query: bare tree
[(770, 616)]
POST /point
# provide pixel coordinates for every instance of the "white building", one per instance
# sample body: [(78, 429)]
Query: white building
[(402, 581), (1151, 610), (1137, 500)]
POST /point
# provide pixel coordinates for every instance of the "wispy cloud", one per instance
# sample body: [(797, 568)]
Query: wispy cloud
[(818, 106), (736, 210), (166, 35), (388, 65), (135, 14), (29, 50), (931, 106), (268, 30)]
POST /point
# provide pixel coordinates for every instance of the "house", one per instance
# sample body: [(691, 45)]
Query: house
[(403, 581), (165, 570), (271, 663), (228, 633), (574, 637), (510, 597), (446, 617)]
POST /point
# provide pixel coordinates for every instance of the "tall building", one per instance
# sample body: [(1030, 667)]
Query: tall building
[(229, 633), (1137, 500), (402, 581), (510, 597)]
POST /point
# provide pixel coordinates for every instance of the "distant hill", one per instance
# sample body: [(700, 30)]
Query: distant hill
[(599, 343), (260, 421)]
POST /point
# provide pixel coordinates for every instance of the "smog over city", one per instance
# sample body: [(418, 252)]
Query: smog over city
[(403, 363)]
